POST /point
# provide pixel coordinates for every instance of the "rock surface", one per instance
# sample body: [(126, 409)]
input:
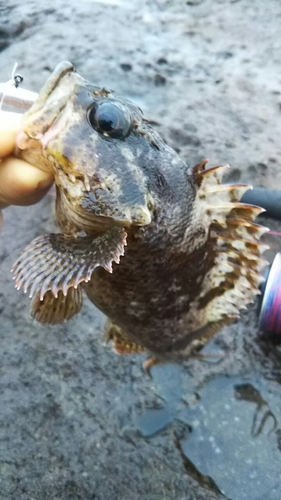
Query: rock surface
[(77, 421)]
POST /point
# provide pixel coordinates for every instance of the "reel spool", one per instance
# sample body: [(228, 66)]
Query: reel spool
[(270, 310)]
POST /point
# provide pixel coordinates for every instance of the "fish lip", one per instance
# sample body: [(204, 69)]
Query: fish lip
[(52, 100), (53, 82)]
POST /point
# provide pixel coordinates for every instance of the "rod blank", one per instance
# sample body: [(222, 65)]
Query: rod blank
[(269, 199)]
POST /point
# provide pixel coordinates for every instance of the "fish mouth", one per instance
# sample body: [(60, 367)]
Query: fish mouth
[(44, 120), (52, 86)]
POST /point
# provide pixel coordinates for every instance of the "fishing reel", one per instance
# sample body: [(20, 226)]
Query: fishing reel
[(270, 303), (270, 306)]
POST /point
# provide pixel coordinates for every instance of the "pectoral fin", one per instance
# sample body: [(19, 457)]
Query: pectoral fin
[(54, 310), (122, 344), (55, 262)]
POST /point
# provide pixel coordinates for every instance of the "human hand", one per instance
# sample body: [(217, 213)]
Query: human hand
[(20, 182)]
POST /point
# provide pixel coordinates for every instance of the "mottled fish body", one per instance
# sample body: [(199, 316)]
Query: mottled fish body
[(166, 251)]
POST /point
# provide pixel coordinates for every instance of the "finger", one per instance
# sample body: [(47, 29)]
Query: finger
[(21, 183), (9, 126)]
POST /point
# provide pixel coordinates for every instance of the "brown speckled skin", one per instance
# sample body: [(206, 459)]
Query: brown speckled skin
[(137, 182), (150, 298)]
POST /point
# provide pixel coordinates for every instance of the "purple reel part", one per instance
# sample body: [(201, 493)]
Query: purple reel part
[(270, 312)]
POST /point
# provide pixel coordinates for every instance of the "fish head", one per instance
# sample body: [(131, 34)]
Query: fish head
[(105, 156)]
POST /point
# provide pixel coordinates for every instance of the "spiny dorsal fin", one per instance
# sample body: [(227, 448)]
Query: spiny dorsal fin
[(234, 278)]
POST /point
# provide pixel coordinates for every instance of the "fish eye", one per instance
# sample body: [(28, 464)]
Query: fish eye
[(107, 118)]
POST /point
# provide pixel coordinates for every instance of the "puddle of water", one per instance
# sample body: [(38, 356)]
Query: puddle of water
[(235, 439), (153, 420), (236, 430), (167, 379)]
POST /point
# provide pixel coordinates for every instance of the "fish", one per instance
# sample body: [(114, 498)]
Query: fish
[(166, 251)]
